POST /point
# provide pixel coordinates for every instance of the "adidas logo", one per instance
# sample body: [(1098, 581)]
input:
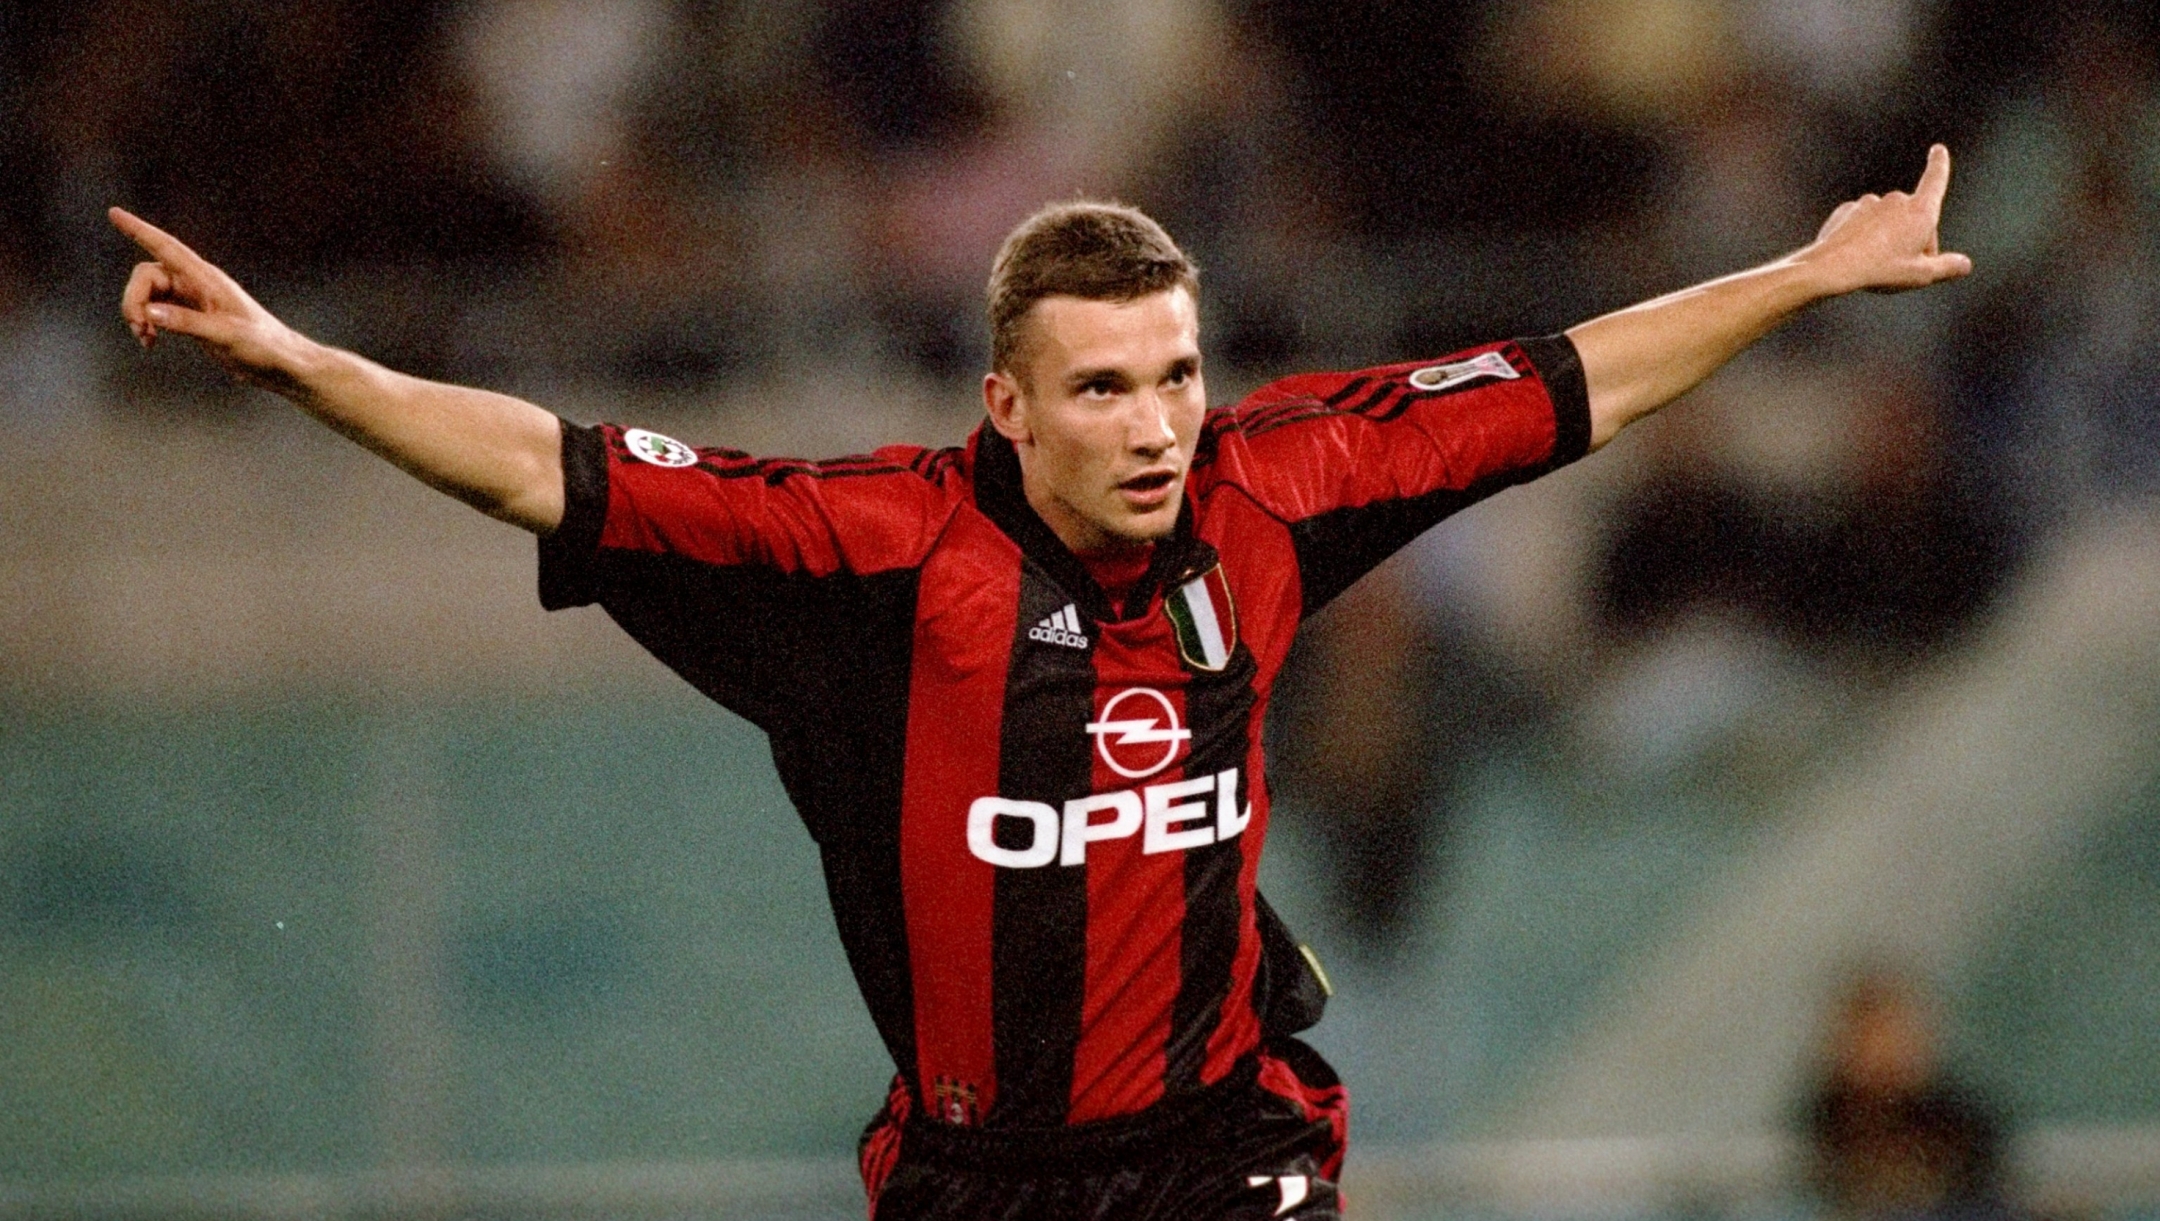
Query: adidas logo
[(1061, 628)]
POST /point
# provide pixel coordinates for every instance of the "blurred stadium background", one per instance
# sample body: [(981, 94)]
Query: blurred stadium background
[(338, 880)]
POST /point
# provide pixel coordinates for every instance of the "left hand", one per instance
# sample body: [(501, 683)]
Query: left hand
[(1888, 243)]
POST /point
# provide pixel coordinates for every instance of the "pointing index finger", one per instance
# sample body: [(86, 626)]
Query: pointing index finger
[(1935, 180), (163, 246)]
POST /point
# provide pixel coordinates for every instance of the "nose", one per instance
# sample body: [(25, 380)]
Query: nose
[(1149, 428)]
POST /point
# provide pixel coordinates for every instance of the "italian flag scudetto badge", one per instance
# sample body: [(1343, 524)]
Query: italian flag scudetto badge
[(1205, 619)]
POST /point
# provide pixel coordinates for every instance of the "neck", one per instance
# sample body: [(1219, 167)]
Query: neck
[(1079, 537)]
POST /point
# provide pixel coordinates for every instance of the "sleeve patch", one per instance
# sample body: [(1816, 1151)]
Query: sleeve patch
[(656, 449), (1484, 364)]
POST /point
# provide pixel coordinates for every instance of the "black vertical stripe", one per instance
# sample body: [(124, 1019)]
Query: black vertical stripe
[(1219, 708), (855, 697), (1038, 935)]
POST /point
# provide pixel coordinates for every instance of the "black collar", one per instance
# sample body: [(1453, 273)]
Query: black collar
[(1000, 496)]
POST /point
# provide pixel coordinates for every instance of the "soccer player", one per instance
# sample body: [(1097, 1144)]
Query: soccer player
[(1015, 687)]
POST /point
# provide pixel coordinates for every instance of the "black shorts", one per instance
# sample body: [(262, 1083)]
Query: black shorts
[(1265, 1142)]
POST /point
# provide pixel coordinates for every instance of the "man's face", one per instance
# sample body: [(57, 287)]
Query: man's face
[(1105, 408)]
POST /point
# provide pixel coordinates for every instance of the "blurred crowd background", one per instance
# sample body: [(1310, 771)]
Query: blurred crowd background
[(1598, 798)]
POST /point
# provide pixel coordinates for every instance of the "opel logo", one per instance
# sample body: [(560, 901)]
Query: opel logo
[(1129, 743)]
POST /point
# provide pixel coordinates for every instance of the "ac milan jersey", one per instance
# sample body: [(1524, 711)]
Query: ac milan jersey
[(1040, 815)]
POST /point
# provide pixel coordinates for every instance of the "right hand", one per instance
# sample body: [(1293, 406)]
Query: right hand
[(181, 292)]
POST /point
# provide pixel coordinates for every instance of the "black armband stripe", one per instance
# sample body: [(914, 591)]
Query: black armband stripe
[(567, 552), (1559, 366)]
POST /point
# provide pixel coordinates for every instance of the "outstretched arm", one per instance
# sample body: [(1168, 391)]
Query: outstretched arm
[(499, 454), (1643, 357)]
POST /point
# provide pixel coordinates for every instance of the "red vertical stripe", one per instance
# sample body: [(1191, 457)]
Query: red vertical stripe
[(1239, 1030), (1136, 902), (963, 639)]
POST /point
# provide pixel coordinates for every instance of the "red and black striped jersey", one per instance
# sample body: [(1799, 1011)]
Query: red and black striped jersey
[(1040, 815)]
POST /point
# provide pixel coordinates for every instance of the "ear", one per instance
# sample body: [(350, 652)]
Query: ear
[(1006, 405)]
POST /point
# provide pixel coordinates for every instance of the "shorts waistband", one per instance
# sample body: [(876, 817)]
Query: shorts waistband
[(1079, 1147)]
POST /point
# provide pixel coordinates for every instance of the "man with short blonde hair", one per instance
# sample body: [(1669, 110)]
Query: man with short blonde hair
[(1015, 687)]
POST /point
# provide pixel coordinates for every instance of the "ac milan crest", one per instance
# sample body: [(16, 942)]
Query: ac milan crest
[(1205, 619)]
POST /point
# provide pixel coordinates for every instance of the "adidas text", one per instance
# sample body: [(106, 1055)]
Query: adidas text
[(1061, 628)]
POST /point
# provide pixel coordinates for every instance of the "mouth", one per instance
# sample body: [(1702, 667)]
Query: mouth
[(1148, 490)]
